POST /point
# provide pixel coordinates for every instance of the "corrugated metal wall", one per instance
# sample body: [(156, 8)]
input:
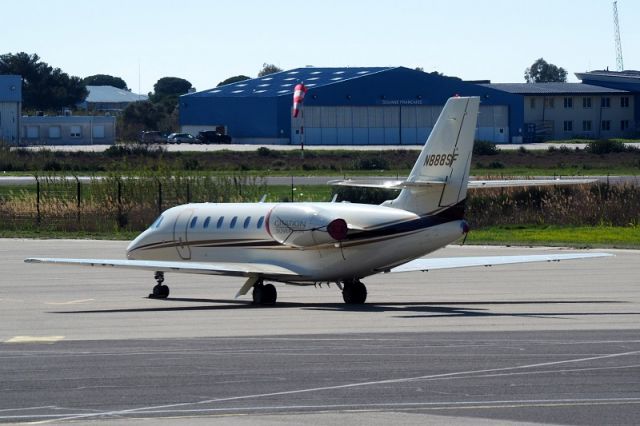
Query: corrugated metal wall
[(388, 125)]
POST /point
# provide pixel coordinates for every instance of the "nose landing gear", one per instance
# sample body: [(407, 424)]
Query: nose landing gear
[(160, 291)]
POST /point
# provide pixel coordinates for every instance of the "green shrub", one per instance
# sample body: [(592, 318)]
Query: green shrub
[(484, 148)]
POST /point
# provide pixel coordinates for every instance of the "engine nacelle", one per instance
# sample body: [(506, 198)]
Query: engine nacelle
[(304, 226)]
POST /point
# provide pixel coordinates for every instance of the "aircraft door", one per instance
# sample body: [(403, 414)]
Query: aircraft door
[(180, 228)]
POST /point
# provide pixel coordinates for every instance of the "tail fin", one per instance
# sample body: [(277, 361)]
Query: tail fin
[(439, 177)]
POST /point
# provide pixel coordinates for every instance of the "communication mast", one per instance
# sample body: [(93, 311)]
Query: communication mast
[(616, 29)]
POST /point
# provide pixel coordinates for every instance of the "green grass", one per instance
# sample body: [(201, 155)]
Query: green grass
[(583, 236)]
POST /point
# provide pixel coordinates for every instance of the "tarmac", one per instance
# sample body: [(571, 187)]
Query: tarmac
[(555, 343)]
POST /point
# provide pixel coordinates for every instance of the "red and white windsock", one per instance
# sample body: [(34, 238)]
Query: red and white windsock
[(298, 97)]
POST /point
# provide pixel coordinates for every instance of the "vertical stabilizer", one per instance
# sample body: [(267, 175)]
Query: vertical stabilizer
[(445, 158)]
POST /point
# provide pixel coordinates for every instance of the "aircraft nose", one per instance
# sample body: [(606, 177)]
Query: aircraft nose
[(133, 246)]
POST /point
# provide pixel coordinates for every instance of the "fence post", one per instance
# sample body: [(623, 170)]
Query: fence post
[(120, 204), (159, 197), (37, 200), (78, 192)]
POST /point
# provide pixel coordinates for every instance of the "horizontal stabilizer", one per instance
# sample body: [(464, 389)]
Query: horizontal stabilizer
[(217, 268), (464, 262), (474, 184), (386, 184)]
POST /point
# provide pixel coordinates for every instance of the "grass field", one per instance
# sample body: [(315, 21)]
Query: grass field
[(579, 237)]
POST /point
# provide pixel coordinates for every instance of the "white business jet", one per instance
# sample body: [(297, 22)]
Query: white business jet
[(342, 243)]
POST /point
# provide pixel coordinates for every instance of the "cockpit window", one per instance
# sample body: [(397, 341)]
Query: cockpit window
[(157, 222)]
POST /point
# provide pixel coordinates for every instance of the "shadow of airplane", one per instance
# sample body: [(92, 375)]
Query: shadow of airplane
[(411, 309)]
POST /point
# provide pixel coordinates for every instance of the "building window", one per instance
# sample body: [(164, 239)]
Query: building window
[(568, 126), (549, 102), (624, 125), (54, 132), (568, 102), (75, 132), (605, 102), (624, 102), (586, 126), (586, 102), (532, 103), (33, 132), (606, 125)]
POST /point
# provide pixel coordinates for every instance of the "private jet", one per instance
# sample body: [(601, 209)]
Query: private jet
[(310, 243)]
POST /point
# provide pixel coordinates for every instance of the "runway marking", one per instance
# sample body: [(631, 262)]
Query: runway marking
[(348, 386), (34, 339), (70, 302), (432, 406)]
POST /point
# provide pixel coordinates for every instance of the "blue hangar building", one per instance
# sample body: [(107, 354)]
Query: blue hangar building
[(346, 106)]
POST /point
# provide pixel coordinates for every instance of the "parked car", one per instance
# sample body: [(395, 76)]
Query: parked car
[(213, 136), (180, 138), (152, 136)]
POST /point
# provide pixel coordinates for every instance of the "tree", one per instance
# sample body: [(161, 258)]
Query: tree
[(167, 90), (268, 69), (105, 80), (43, 87), (145, 115), (234, 79), (171, 86), (543, 72)]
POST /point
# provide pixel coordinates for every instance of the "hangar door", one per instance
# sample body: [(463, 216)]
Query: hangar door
[(386, 125)]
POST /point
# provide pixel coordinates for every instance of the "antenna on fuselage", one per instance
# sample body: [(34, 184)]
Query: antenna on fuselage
[(264, 197)]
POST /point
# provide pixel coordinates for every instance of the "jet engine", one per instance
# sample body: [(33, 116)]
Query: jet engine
[(304, 226)]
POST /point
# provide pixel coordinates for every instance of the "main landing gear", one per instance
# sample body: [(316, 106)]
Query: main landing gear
[(264, 294), (354, 292), (160, 291)]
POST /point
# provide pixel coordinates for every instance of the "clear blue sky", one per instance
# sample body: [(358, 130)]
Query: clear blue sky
[(208, 41)]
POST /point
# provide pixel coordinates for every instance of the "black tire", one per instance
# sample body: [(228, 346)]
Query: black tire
[(354, 293), (269, 294), (160, 291), (257, 293), (264, 294)]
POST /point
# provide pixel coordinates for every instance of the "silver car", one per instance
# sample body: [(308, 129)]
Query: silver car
[(180, 138)]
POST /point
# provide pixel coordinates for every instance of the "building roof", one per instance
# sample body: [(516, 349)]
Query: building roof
[(552, 88), (284, 82), (110, 94)]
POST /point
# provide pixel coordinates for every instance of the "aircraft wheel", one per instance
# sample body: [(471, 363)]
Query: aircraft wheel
[(160, 291), (264, 294), (354, 292)]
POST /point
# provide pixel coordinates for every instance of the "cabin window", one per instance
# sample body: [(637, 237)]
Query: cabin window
[(193, 222), (220, 221), (206, 222), (157, 222), (260, 222), (247, 221), (233, 222)]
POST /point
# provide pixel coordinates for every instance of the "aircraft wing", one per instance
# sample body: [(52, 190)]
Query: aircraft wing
[(215, 268), (463, 262)]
